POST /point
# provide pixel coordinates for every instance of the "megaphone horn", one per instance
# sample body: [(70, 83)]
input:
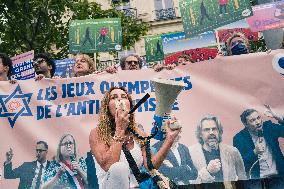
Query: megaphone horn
[(166, 92)]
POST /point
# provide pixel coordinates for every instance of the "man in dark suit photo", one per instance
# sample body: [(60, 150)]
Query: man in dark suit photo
[(177, 165), (91, 171), (29, 173), (259, 147)]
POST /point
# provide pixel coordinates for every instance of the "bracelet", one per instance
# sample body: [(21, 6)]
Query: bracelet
[(118, 139)]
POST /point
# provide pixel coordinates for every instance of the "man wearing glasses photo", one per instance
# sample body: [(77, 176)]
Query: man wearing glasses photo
[(44, 66), (30, 173)]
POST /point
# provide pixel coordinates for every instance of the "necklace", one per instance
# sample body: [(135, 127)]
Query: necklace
[(129, 140)]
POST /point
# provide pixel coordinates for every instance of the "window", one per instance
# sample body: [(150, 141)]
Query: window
[(163, 4), (164, 10)]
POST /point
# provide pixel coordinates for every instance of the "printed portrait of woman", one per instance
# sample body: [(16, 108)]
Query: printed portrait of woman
[(66, 171)]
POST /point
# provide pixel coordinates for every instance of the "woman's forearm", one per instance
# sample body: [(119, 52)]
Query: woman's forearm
[(111, 156), (159, 157), (106, 155)]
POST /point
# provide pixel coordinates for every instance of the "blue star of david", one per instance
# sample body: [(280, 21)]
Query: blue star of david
[(24, 111)]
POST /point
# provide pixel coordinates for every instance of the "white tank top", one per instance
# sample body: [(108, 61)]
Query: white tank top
[(138, 157)]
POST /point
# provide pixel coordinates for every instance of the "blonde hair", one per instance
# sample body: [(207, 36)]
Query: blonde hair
[(89, 60), (234, 35), (106, 126), (58, 156)]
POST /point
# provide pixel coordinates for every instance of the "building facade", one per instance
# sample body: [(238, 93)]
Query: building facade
[(163, 16)]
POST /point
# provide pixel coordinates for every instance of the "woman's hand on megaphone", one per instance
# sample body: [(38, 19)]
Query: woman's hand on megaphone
[(171, 134), (121, 120)]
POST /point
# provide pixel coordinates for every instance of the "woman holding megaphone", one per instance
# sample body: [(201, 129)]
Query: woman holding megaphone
[(116, 135)]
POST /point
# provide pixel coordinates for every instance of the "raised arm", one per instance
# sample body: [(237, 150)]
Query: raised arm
[(9, 173), (159, 157), (108, 155), (270, 113), (279, 129)]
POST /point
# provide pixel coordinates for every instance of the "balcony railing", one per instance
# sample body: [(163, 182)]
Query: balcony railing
[(119, 1), (165, 14), (130, 12)]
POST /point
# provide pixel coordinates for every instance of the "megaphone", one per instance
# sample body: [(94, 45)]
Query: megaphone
[(166, 92)]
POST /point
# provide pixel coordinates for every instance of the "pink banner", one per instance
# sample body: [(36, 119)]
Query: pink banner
[(31, 111), (267, 17)]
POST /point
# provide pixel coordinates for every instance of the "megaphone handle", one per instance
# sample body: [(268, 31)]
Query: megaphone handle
[(157, 126)]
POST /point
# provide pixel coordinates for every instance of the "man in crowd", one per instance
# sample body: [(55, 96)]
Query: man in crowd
[(215, 161), (30, 173), (259, 146), (129, 62), (5, 67), (44, 66), (135, 62), (237, 44), (177, 165)]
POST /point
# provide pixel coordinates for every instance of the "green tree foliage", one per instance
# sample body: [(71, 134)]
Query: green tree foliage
[(42, 25), (258, 46)]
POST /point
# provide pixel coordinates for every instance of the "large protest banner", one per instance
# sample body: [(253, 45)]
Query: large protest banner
[(99, 35), (205, 15), (31, 111), (23, 66), (267, 16)]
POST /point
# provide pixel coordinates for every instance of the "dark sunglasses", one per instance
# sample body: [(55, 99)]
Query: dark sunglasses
[(132, 61)]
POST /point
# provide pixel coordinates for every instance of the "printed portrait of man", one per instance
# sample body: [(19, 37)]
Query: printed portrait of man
[(214, 160)]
